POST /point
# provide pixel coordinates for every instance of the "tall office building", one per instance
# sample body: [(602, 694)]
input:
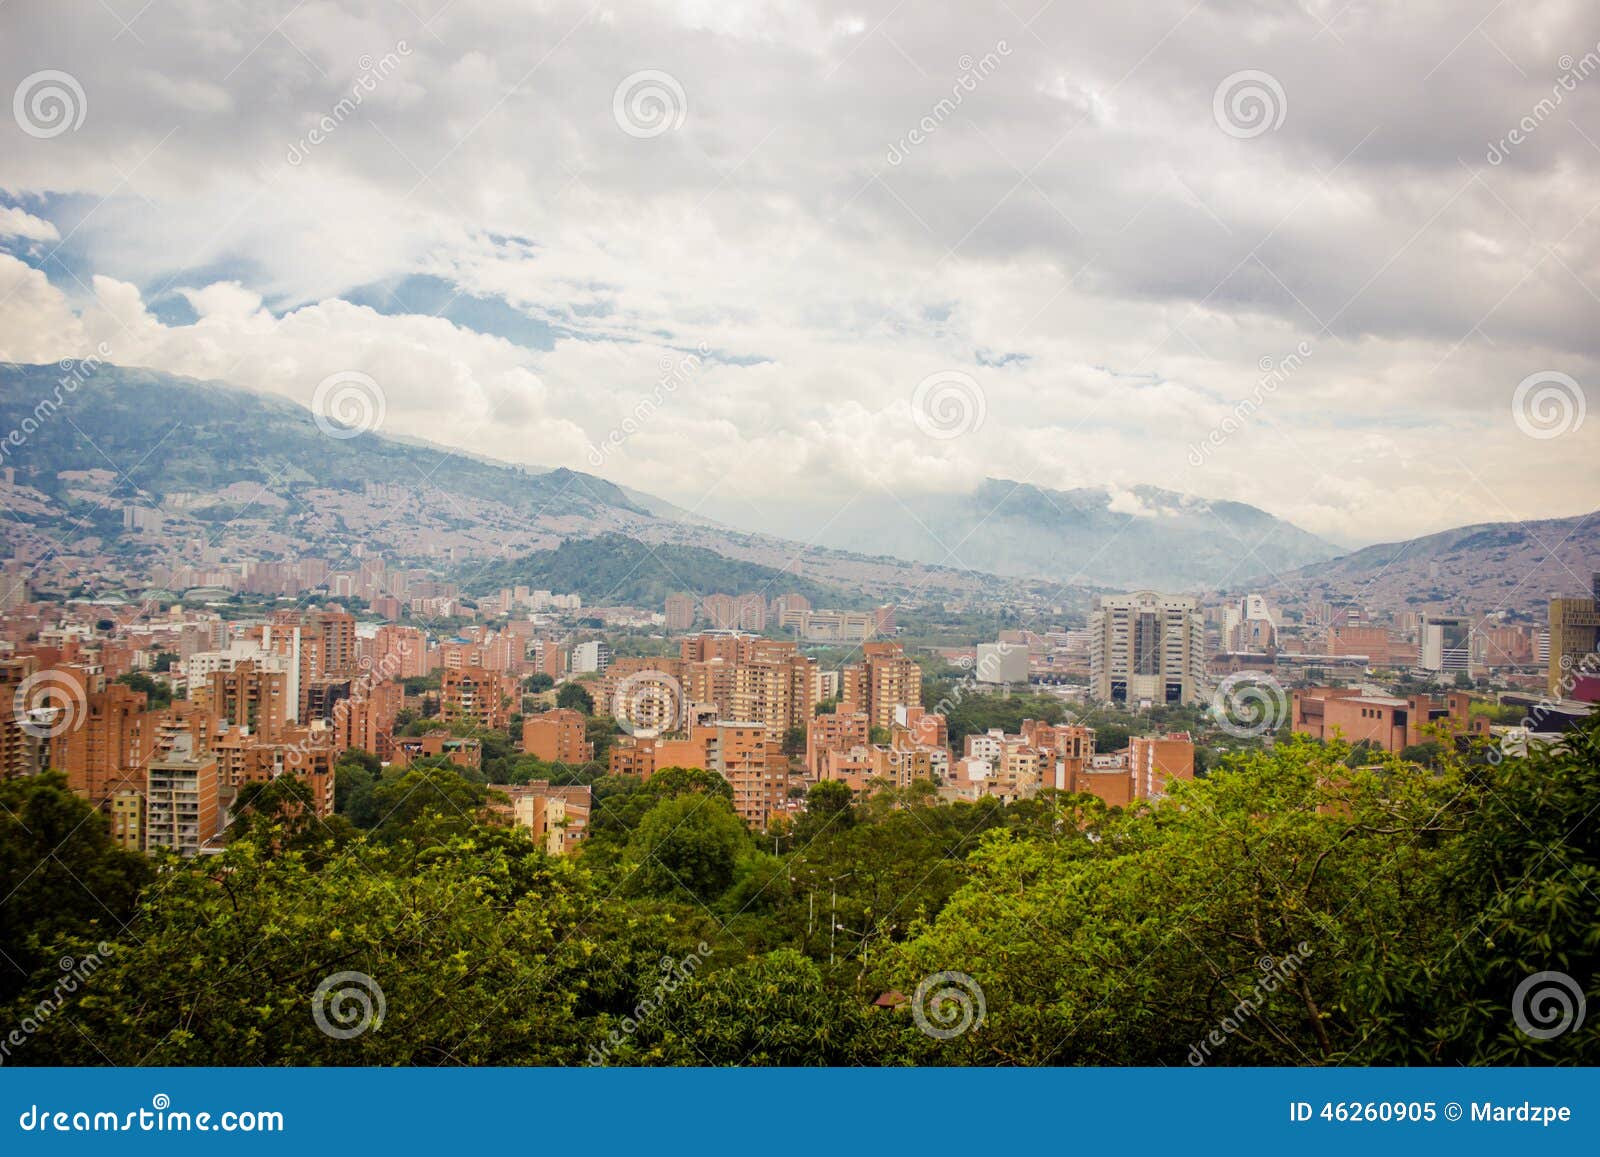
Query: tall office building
[(1147, 646), (1444, 643)]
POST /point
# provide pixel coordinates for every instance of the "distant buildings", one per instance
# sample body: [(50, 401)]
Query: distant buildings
[(477, 696), (1444, 643), (1001, 663), (1383, 721), (680, 613), (556, 818), (180, 803), (743, 753), (1147, 647), (1574, 665), (885, 680), (586, 658), (557, 737)]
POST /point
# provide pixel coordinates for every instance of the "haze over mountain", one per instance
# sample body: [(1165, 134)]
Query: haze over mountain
[(1101, 536), (212, 471)]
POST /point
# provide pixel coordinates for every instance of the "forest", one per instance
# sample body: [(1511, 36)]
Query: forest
[(1287, 909)]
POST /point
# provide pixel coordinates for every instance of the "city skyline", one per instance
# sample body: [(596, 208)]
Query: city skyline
[(856, 250)]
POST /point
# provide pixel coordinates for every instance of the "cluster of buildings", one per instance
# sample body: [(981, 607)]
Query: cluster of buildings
[(220, 705), (736, 703), (791, 613), (285, 696)]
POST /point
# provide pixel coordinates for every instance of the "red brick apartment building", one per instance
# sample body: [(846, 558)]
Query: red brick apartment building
[(557, 737)]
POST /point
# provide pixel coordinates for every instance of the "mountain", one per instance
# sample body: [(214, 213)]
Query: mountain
[(1513, 566), (614, 569), (120, 472), (1143, 537)]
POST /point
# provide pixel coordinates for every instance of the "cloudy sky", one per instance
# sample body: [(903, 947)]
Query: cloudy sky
[(1339, 260)]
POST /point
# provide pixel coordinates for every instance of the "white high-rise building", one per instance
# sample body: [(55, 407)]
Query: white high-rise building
[(1147, 647), (591, 656)]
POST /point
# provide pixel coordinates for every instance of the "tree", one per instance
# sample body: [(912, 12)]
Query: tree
[(1116, 946), (61, 875), (776, 1009), (829, 805), (158, 694), (687, 847), (242, 958), (538, 681), (794, 741), (576, 697), (426, 803)]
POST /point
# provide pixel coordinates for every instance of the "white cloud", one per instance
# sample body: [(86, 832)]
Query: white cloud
[(1079, 236), (16, 222)]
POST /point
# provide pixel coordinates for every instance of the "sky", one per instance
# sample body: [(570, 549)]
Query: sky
[(1337, 260)]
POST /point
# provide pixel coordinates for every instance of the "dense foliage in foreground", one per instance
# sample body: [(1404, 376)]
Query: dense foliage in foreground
[(1287, 910)]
